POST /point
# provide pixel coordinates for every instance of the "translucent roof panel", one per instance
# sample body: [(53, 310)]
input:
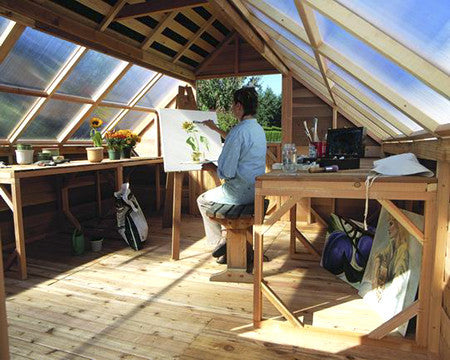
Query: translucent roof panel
[(13, 108), (107, 114), (281, 30), (345, 76), (159, 95), (287, 7), (423, 26), (349, 98), (35, 60), (89, 74), (430, 102), (52, 119), (135, 119), (127, 87), (4, 23)]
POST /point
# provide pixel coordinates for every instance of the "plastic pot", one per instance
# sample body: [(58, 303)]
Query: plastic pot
[(95, 154), (24, 157)]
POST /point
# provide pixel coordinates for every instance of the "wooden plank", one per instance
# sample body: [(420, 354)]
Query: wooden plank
[(286, 109), (41, 18), (4, 345), (258, 242), (12, 33), (158, 30), (16, 193), (176, 217), (156, 6), (395, 321), (437, 279), (310, 247), (425, 149), (287, 205), (223, 211), (402, 219), (6, 196), (168, 201), (216, 52), (111, 14), (212, 211), (281, 307)]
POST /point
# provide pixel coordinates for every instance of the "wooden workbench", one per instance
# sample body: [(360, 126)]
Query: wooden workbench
[(348, 184), (13, 197)]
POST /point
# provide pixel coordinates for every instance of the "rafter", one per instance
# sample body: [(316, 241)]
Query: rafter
[(156, 6), (9, 38), (384, 44), (110, 17), (193, 39), (158, 30), (62, 74), (246, 31), (41, 18), (312, 30)]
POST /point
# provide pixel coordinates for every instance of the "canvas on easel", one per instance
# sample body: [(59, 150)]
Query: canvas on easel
[(186, 143)]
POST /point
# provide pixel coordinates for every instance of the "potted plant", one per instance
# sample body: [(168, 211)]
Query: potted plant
[(95, 153), (24, 154), (130, 140), (114, 140), (194, 141), (96, 243)]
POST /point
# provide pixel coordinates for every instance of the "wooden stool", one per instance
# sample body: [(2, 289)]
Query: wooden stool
[(238, 220)]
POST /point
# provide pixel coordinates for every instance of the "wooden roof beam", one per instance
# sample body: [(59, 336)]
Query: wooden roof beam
[(312, 30), (41, 18), (226, 10), (158, 29), (9, 38), (384, 44), (156, 6), (110, 17)]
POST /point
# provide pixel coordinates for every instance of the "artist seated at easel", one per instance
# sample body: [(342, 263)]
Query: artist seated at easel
[(243, 158)]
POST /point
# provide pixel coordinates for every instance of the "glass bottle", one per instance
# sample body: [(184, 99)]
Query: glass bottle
[(289, 158)]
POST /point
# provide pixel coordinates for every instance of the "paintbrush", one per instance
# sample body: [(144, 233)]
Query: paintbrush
[(308, 134)]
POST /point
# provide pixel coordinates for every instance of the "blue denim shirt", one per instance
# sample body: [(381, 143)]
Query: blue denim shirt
[(243, 158)]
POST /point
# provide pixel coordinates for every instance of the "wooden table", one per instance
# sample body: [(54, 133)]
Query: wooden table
[(348, 184), (12, 176)]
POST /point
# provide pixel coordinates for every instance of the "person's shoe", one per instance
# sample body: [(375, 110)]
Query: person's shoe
[(222, 259), (220, 250)]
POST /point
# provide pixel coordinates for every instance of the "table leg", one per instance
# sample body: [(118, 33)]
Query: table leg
[(158, 187), (4, 347), (18, 228), (258, 261), (119, 177), (293, 221)]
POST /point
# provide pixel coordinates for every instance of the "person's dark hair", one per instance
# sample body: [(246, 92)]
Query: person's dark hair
[(248, 97)]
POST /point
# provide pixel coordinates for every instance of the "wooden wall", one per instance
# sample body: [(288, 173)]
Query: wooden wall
[(444, 340)]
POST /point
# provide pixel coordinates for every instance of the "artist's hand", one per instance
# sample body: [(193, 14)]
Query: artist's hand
[(209, 167), (211, 124)]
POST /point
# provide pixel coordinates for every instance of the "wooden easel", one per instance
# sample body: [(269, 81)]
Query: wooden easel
[(4, 347)]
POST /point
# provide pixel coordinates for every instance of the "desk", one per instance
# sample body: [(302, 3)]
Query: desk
[(12, 176), (347, 184)]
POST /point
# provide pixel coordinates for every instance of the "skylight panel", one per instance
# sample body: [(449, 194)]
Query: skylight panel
[(127, 87), (287, 7), (410, 88), (160, 94), (51, 120), (90, 74), (13, 108), (35, 60), (423, 26), (281, 30), (4, 23), (135, 120), (374, 97), (106, 114)]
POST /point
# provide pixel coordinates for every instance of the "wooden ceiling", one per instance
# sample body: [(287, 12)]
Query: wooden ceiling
[(181, 38)]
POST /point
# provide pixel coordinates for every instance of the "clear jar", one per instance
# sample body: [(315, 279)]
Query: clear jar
[(289, 158)]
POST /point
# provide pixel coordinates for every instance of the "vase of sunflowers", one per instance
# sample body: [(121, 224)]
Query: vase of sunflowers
[(95, 153)]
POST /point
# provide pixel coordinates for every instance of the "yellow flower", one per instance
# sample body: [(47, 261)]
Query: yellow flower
[(188, 126), (96, 122)]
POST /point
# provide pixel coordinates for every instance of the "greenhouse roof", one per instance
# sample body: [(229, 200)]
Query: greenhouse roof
[(383, 64)]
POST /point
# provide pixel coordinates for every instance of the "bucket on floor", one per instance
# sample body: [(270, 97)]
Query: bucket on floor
[(96, 244), (77, 242)]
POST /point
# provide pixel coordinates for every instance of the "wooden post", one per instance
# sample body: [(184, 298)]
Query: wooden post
[(286, 109), (119, 177), (4, 347), (258, 259), (99, 193), (158, 187), (334, 123), (176, 215), (293, 227), (18, 228), (168, 201), (437, 279)]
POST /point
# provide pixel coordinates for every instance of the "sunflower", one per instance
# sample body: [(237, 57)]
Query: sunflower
[(188, 126), (96, 123)]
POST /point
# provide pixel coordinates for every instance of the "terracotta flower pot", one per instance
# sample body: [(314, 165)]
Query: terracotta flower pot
[(95, 154)]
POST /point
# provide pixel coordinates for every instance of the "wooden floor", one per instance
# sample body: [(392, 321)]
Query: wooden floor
[(122, 304)]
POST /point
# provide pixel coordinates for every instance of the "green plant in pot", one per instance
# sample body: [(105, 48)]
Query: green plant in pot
[(24, 154), (115, 141), (95, 153), (130, 140)]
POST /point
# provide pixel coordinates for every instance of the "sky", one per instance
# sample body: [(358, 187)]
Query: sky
[(273, 82)]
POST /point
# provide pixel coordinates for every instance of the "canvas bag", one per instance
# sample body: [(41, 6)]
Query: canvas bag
[(131, 222)]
